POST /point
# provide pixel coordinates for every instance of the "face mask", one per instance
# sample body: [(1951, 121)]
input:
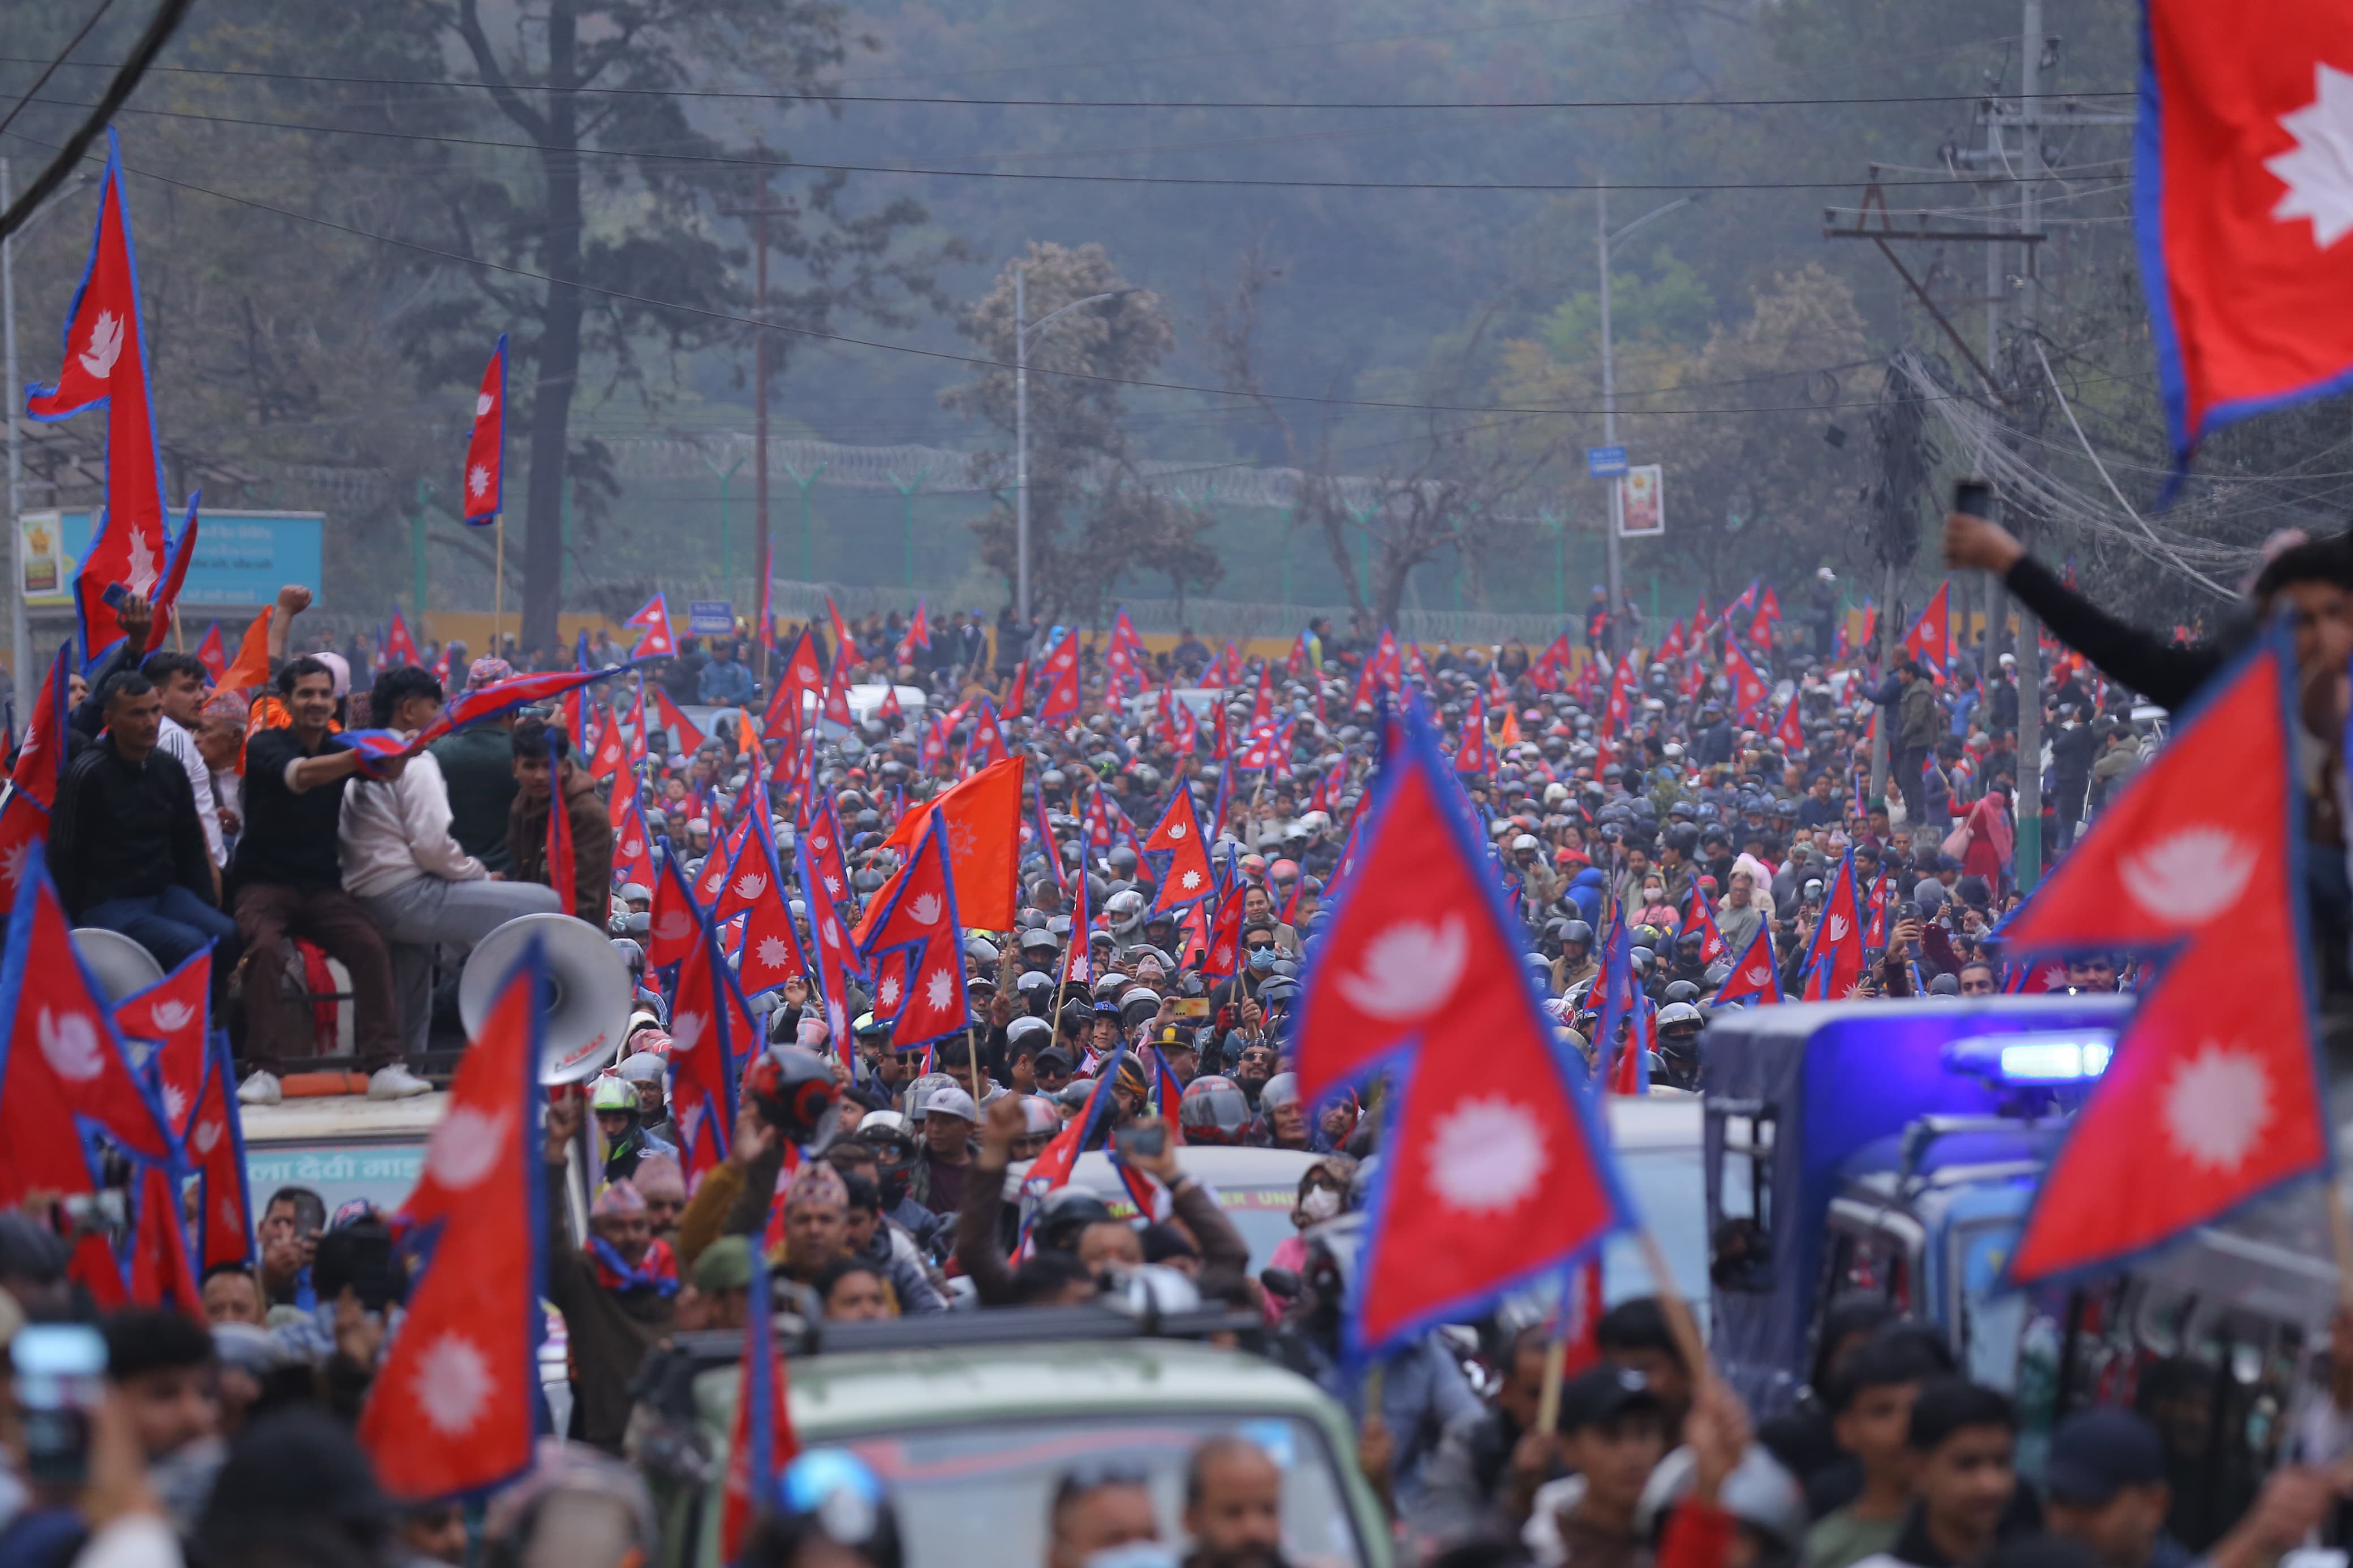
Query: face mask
[(1320, 1203), (1261, 959)]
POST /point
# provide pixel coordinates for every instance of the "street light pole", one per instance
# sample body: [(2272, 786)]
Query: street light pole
[(1604, 239), (1021, 447), (1022, 327), (20, 636)]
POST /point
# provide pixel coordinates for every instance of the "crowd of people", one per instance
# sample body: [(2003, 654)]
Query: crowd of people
[(1678, 806)]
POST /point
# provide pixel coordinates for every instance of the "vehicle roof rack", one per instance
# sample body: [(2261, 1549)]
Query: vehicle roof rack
[(800, 1335)]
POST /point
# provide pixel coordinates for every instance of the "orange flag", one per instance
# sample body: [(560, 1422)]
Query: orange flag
[(984, 818), (251, 667)]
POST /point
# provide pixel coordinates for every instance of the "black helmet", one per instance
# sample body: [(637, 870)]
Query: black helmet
[(1719, 972), (1681, 990), (793, 1088), (1576, 931), (1065, 1212)]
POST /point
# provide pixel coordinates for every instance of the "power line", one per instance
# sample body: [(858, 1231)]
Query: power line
[(160, 28), (1321, 104), (976, 361), (50, 70), (1028, 174)]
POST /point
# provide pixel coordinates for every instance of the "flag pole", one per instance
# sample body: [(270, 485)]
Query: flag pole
[(2340, 1233), (498, 585)]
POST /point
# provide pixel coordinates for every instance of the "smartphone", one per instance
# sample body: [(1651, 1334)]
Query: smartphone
[(1192, 1007), (1973, 498), (114, 594), (1149, 1142), (60, 1382)]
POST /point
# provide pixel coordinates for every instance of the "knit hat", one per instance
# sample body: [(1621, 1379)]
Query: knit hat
[(658, 1178), (488, 671), (817, 1182), (618, 1198)]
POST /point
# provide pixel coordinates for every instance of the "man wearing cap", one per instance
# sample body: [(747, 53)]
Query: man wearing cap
[(2106, 1487), (1613, 1433), (617, 1294), (945, 1159), (478, 771)]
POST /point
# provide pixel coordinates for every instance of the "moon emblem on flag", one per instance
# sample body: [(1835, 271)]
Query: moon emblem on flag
[(464, 1147), (2190, 876), (105, 346), (924, 909), (70, 1041), (1410, 970)]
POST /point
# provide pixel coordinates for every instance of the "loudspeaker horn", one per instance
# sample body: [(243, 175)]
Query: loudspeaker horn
[(589, 992), (122, 966)]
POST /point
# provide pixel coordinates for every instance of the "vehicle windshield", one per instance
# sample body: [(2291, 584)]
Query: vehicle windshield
[(976, 1495)]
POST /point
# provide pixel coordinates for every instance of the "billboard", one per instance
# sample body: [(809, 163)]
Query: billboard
[(1643, 502), (242, 559)]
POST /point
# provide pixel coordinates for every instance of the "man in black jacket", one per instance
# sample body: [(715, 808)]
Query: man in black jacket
[(125, 844)]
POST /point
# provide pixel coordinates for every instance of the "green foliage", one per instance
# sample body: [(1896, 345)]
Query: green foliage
[(1672, 306)]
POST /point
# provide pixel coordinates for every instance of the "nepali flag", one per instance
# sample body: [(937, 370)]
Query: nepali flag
[(486, 442), (1620, 706), (1221, 931), (1835, 957), (800, 674), (1702, 920), (1300, 657), (198, 1078), (653, 619), (1788, 733), (1188, 730), (454, 1409), (65, 1078), (611, 754), (2034, 979), (762, 1442), (684, 737), (106, 364), (399, 648), (919, 636), (1017, 691), (633, 855), (1492, 1172), (845, 647), (378, 750), (820, 830), (2240, 199), (1177, 833), (213, 654), (712, 1034), (1930, 640), (2204, 1107), (1061, 670), (1473, 756), (1749, 691), (1265, 746), (915, 949), (41, 759), (1755, 976), (506, 696), (837, 962)]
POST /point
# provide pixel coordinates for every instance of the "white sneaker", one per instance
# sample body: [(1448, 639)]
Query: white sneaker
[(396, 1082), (259, 1089)]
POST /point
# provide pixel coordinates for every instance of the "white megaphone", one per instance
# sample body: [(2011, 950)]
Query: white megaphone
[(589, 992), (119, 964)]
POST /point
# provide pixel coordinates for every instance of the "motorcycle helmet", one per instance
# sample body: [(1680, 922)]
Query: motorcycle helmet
[(792, 1089), (1214, 1111)]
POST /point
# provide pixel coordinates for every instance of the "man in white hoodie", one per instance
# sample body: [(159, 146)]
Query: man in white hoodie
[(422, 891)]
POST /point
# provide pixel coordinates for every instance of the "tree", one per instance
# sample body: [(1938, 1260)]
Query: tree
[(591, 84), (1093, 518), (1449, 491)]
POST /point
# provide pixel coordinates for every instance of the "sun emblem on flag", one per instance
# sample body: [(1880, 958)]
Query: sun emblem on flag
[(2217, 1105), (1191, 879), (2318, 172), (774, 953), (453, 1385), (886, 994), (1487, 1155), (12, 863), (478, 481), (937, 988)]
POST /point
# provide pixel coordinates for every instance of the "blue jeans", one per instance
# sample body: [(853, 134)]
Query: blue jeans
[(170, 924)]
